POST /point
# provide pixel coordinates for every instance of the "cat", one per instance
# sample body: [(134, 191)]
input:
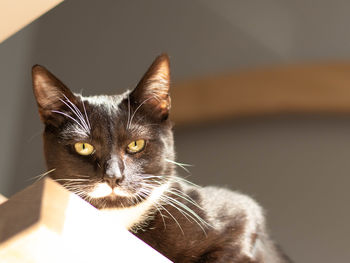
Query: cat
[(117, 153)]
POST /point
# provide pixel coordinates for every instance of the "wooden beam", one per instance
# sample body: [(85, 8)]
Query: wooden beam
[(16, 14), (305, 88), (46, 223)]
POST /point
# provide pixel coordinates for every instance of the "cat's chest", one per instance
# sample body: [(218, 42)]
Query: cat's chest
[(132, 216)]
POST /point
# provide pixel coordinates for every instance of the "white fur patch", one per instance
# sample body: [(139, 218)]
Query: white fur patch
[(110, 103), (131, 216), (101, 190), (118, 191)]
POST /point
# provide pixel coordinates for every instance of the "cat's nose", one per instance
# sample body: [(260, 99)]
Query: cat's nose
[(112, 180), (114, 172), (113, 176)]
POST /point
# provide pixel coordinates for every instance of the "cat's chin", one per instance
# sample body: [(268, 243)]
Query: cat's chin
[(103, 190), (104, 196), (111, 201)]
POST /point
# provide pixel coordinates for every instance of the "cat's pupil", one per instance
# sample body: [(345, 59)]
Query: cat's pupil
[(135, 144), (83, 146)]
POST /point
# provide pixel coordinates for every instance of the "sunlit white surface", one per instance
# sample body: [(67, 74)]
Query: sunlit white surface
[(86, 227)]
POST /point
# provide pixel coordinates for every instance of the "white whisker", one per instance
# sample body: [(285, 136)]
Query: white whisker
[(76, 111), (87, 118), (129, 112), (75, 180), (160, 212), (182, 165), (40, 176), (132, 116), (65, 114), (190, 200), (177, 222), (181, 179), (183, 209)]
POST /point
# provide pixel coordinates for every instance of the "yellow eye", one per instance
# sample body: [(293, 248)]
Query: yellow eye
[(84, 148), (136, 146)]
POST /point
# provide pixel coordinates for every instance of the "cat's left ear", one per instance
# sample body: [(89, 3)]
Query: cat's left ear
[(153, 89)]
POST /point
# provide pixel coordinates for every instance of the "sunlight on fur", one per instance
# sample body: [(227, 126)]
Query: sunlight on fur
[(120, 192), (101, 190)]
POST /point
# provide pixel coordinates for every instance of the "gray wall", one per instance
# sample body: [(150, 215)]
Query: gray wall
[(296, 167)]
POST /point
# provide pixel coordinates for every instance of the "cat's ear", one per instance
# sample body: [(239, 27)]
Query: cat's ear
[(50, 94), (153, 89)]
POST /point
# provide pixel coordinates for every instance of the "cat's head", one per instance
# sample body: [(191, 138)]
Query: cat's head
[(111, 150)]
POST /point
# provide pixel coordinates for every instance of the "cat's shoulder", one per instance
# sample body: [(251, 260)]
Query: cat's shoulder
[(223, 206), (233, 215), (226, 202)]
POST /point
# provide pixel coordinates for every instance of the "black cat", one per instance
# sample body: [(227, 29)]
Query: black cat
[(117, 153)]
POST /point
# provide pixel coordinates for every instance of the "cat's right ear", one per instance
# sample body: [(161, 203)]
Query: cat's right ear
[(50, 93), (152, 92)]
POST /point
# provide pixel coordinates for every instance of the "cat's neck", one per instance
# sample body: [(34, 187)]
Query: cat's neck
[(135, 217)]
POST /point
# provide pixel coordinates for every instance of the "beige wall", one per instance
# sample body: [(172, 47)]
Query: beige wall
[(296, 167)]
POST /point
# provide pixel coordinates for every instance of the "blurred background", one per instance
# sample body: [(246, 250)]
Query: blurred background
[(296, 165)]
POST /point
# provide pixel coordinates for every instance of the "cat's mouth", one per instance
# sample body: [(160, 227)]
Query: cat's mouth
[(104, 190)]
